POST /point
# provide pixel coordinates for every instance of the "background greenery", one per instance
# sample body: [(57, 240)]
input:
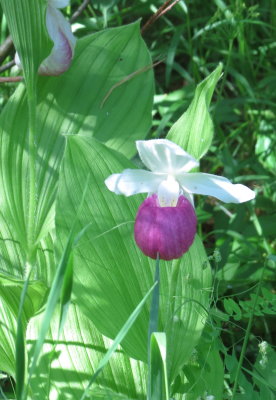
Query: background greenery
[(190, 40)]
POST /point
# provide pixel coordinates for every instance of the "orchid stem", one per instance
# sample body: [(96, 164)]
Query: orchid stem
[(172, 288), (154, 307), (153, 320)]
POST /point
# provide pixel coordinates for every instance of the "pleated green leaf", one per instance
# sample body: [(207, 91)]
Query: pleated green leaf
[(194, 129), (123, 331), (14, 196), (54, 121), (10, 290), (111, 274), (65, 367), (27, 24), (69, 103), (108, 91)]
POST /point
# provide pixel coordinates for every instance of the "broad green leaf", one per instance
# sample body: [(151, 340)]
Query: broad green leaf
[(124, 330), (158, 385), (52, 115), (70, 103), (14, 196), (107, 92), (111, 273), (10, 290), (65, 367), (194, 129), (27, 23), (57, 289)]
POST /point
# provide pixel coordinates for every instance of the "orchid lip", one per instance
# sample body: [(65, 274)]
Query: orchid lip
[(59, 31), (167, 231)]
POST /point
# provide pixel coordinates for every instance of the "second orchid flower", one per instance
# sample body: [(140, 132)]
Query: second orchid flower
[(64, 41)]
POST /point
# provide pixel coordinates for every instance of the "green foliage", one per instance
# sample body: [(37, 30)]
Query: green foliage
[(26, 21), (9, 305), (87, 121)]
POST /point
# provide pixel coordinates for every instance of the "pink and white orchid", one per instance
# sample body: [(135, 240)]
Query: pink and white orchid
[(170, 186), (64, 41)]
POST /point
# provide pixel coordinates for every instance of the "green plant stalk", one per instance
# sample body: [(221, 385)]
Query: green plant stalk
[(247, 333), (172, 288), (154, 307), (153, 320), (20, 341), (32, 176)]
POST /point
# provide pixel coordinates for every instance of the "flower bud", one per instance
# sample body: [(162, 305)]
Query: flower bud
[(169, 231)]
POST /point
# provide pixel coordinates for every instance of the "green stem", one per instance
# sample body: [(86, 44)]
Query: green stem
[(172, 289), (20, 349), (247, 333), (154, 307), (153, 321), (32, 177)]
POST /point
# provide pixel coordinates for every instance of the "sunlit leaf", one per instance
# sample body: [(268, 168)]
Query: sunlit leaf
[(76, 356), (10, 290), (194, 129), (69, 104)]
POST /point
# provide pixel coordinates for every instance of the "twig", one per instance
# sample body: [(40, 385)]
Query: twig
[(5, 48), (127, 78), (6, 66), (11, 79), (161, 11), (81, 8)]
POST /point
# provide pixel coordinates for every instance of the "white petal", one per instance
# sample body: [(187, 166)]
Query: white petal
[(61, 55), (168, 192), (59, 3), (216, 186), (133, 181), (164, 156)]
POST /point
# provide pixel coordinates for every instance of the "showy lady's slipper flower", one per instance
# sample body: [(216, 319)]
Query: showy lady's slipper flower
[(60, 33), (166, 223)]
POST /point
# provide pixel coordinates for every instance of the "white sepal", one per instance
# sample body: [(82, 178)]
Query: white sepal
[(163, 156), (216, 186), (133, 181)]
